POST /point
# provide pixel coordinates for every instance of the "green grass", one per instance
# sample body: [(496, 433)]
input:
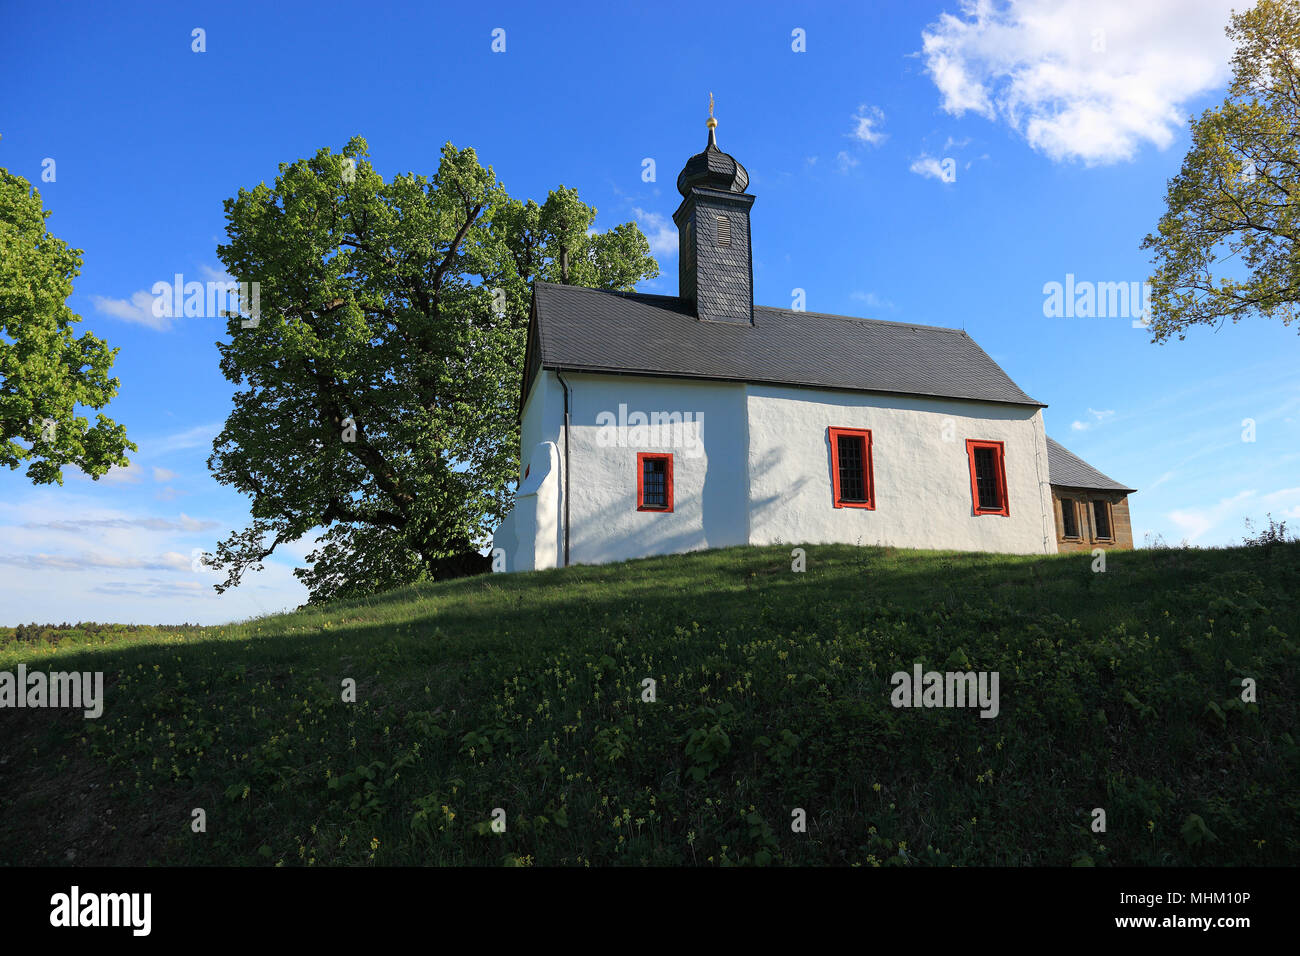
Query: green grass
[(1119, 690)]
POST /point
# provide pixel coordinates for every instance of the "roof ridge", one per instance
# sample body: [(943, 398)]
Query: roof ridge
[(767, 308), (859, 318), (626, 295)]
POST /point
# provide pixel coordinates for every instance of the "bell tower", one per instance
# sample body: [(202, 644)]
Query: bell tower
[(715, 261)]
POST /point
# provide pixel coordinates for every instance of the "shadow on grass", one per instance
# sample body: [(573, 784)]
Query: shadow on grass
[(479, 680)]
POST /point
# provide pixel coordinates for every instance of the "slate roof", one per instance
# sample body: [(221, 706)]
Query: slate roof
[(583, 329), (1067, 469), (713, 169)]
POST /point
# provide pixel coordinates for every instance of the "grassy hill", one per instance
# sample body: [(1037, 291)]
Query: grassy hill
[(1119, 690)]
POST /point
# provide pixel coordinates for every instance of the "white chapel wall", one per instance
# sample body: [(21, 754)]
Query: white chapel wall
[(922, 474), (709, 467)]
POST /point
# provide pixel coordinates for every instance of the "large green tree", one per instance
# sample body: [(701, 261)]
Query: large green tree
[(380, 376), (46, 371), (1226, 246)]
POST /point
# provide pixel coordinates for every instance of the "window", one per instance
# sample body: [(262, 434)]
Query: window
[(654, 482), (724, 231), (988, 478), (1101, 519), (1069, 518), (851, 477)]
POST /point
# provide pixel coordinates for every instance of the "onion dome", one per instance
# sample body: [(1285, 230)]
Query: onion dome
[(712, 169)]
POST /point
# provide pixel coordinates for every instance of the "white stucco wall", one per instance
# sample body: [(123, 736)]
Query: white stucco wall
[(529, 535), (532, 534), (542, 417), (710, 456), (921, 471), (542, 422), (537, 512), (751, 464)]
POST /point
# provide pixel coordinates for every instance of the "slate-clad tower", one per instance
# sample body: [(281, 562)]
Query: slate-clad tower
[(715, 263)]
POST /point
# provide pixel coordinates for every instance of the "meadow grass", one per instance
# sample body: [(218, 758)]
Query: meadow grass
[(1119, 690)]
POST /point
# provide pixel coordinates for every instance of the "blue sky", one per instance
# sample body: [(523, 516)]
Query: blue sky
[(1062, 121)]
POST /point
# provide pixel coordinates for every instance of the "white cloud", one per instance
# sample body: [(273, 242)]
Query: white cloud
[(871, 300), (1282, 494), (659, 230), (1160, 481), (1089, 80), (200, 436), (162, 474), (1282, 504), (132, 474), (64, 555), (167, 561), (138, 309), (1098, 417), (1195, 522), (212, 274), (845, 161), (929, 166), (153, 588), (81, 525), (865, 125)]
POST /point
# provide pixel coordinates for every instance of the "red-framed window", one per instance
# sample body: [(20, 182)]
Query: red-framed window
[(988, 477), (852, 482), (654, 481)]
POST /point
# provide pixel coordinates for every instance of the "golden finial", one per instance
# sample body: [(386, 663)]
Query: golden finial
[(712, 123)]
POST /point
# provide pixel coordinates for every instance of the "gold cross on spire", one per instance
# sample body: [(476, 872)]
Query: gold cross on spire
[(712, 123)]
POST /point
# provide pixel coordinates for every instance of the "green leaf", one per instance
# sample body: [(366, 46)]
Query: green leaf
[(1195, 831)]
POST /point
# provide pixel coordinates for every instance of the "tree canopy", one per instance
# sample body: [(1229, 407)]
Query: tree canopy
[(46, 370), (1226, 246), (379, 379)]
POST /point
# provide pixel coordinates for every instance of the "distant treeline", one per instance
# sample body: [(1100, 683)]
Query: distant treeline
[(54, 633)]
